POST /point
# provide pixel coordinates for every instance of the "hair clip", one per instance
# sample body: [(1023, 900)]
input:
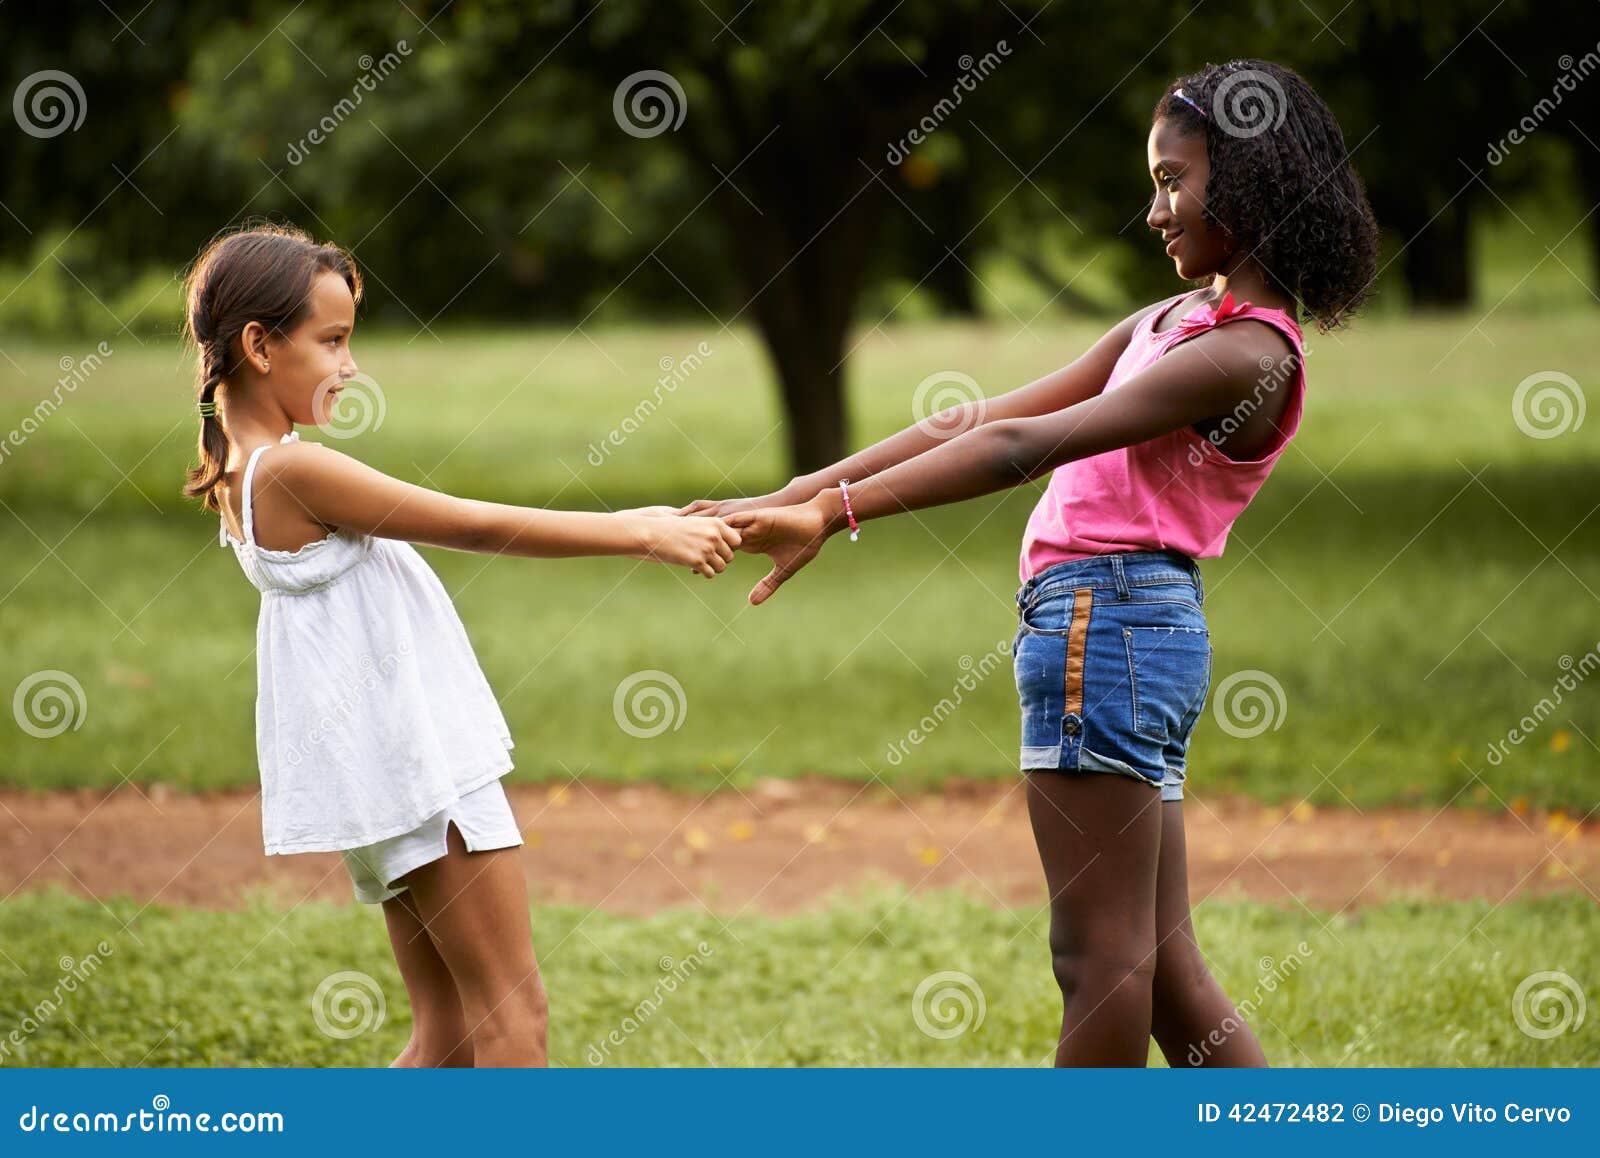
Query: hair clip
[(1179, 94), (208, 410)]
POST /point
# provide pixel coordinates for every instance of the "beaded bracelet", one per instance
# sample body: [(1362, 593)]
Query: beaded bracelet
[(849, 513)]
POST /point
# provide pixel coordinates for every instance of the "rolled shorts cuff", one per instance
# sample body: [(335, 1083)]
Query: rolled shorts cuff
[(483, 817), (1170, 781)]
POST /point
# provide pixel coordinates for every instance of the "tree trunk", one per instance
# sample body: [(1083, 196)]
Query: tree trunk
[(802, 259), (1588, 174), (1438, 260), (811, 384)]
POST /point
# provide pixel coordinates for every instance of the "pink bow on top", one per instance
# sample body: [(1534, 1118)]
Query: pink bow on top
[(1207, 316)]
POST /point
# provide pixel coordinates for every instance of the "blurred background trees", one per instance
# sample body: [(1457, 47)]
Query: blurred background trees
[(576, 163)]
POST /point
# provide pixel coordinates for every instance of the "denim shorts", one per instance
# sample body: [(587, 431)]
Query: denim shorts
[(1113, 661)]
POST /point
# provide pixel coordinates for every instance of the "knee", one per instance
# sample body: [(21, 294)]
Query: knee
[(514, 1009), (1104, 971), (1181, 972)]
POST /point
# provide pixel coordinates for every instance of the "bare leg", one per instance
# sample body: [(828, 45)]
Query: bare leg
[(1099, 838), (1194, 1022), (475, 906), (438, 1030)]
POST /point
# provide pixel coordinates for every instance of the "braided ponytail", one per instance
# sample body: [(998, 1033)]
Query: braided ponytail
[(255, 275), (214, 441)]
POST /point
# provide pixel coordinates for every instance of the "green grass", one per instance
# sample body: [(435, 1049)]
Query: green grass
[(1411, 575), (1404, 984)]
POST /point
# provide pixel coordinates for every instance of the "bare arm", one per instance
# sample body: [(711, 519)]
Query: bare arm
[(1199, 379), (1079, 380), (339, 491)]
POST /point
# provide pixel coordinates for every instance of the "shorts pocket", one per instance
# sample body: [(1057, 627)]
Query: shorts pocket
[(1169, 668), (1048, 614)]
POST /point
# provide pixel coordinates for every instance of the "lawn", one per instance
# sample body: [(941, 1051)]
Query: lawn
[(1411, 577), (1398, 985)]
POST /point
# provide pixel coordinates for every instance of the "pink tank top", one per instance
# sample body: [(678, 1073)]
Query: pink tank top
[(1178, 491)]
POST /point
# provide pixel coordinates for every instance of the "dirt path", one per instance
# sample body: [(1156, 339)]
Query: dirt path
[(783, 846)]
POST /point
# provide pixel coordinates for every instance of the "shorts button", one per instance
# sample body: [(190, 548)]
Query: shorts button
[(1072, 726)]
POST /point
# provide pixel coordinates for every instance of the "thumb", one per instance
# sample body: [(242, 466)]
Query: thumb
[(765, 589)]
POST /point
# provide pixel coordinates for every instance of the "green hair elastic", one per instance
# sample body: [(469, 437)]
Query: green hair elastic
[(208, 410)]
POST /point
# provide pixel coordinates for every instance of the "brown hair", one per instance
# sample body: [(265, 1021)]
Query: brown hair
[(261, 275)]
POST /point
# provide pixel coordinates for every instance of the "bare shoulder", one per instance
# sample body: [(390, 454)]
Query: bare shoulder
[(306, 461)]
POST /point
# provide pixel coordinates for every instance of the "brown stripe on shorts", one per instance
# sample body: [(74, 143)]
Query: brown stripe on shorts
[(1077, 638)]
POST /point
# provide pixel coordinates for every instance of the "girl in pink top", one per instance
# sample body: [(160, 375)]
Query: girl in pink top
[(1158, 437)]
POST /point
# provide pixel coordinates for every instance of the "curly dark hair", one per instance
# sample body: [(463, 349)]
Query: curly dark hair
[(1281, 181)]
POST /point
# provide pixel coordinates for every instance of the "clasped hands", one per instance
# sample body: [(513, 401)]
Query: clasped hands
[(782, 526)]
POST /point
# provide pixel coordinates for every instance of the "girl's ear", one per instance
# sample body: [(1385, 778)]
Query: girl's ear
[(253, 344)]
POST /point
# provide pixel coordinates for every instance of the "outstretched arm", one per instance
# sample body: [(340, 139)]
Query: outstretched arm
[(1204, 377), (1079, 380), (338, 491)]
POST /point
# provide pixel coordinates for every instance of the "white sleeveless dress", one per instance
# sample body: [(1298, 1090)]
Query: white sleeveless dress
[(372, 713)]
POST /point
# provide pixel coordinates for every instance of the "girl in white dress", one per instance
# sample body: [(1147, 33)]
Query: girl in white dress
[(376, 733)]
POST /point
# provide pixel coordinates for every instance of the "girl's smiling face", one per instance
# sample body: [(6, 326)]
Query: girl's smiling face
[(1180, 168), (306, 367)]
